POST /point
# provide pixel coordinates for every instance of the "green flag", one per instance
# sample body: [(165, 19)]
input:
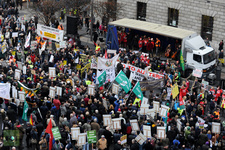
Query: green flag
[(102, 78), (137, 90), (25, 110), (181, 60), (123, 81)]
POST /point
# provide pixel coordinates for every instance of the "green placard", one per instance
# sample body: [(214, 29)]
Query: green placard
[(56, 133), (91, 136), (11, 138)]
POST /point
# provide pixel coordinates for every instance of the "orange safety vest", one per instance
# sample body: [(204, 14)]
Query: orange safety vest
[(60, 28), (38, 39), (157, 43), (217, 114), (42, 43)]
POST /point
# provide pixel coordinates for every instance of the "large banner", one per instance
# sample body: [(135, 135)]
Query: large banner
[(107, 63), (50, 33), (5, 90), (110, 74)]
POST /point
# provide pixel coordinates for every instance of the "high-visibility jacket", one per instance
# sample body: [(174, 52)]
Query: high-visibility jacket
[(64, 10), (88, 82), (223, 104), (217, 114), (42, 43), (60, 28), (75, 12), (38, 39), (97, 48), (137, 100), (158, 43)]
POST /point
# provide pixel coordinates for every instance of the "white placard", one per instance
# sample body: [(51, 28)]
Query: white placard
[(15, 34), (14, 92), (75, 132), (179, 125), (147, 131), (201, 120), (156, 106), (151, 112), (51, 92), (197, 73), (140, 138), (62, 44), (110, 74), (116, 123), (115, 88), (20, 65), (17, 74), (144, 102), (163, 111), (51, 71), (59, 91), (134, 125), (107, 120), (24, 70), (51, 59), (91, 90), (161, 132), (216, 127), (144, 109), (21, 96), (169, 90), (81, 139), (105, 104)]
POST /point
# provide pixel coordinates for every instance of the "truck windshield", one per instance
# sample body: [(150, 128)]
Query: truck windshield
[(209, 57)]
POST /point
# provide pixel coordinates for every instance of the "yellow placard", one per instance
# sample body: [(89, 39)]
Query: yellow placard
[(78, 66), (83, 57), (85, 67), (123, 139), (175, 90), (49, 35)]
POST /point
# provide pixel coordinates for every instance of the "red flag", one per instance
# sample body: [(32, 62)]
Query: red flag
[(31, 120), (49, 131), (106, 55)]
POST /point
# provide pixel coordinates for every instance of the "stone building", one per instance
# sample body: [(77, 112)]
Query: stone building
[(206, 17)]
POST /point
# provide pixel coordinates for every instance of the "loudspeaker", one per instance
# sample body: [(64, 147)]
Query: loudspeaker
[(71, 26)]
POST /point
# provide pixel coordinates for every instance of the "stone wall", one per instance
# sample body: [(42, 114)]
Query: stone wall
[(190, 14)]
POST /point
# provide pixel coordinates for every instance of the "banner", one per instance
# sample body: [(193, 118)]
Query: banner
[(85, 68), (107, 63), (110, 74), (137, 91), (150, 85), (27, 43), (91, 136), (102, 78), (50, 33), (123, 81), (5, 90)]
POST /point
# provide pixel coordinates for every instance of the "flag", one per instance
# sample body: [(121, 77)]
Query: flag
[(25, 110), (102, 78), (27, 43), (106, 55), (107, 63), (123, 81), (181, 60), (137, 90), (31, 120), (49, 131)]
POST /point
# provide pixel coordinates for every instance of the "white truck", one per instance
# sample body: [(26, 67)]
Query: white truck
[(195, 52)]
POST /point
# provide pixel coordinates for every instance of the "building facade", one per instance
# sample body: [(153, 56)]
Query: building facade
[(206, 17)]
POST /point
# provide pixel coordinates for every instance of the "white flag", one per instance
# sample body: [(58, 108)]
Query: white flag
[(27, 43), (42, 48)]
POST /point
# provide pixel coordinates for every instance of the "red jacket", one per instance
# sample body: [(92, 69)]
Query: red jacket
[(57, 103)]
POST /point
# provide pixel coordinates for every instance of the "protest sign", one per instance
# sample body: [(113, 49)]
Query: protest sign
[(21, 96), (115, 89), (94, 63), (123, 139), (144, 109), (216, 128), (151, 112), (17, 74), (14, 34), (169, 91), (107, 120), (201, 125), (134, 125), (56, 133), (110, 75), (144, 102), (4, 48), (51, 71), (20, 66), (140, 138), (179, 125), (175, 90), (85, 68), (14, 92), (50, 33), (81, 139), (156, 106), (33, 45), (163, 111), (62, 44), (59, 91), (116, 123), (91, 89), (91, 136), (197, 73), (147, 131), (51, 92), (75, 132), (205, 84), (161, 132)]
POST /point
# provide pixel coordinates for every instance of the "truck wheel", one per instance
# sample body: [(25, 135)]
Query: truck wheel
[(188, 72)]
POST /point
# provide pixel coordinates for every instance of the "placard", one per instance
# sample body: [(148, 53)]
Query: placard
[(51, 71), (161, 132), (216, 127), (105, 103), (81, 139), (140, 138), (24, 70), (115, 88), (51, 59), (20, 66), (91, 90), (205, 84), (21, 96), (175, 90), (14, 92), (75, 132), (144, 102), (15, 34), (17, 74), (134, 125), (123, 139), (56, 133), (107, 120), (156, 106), (62, 44), (201, 125), (51, 92), (163, 111), (116, 123), (151, 112), (169, 91), (147, 131), (59, 91), (179, 125), (91, 136), (197, 73), (144, 109)]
